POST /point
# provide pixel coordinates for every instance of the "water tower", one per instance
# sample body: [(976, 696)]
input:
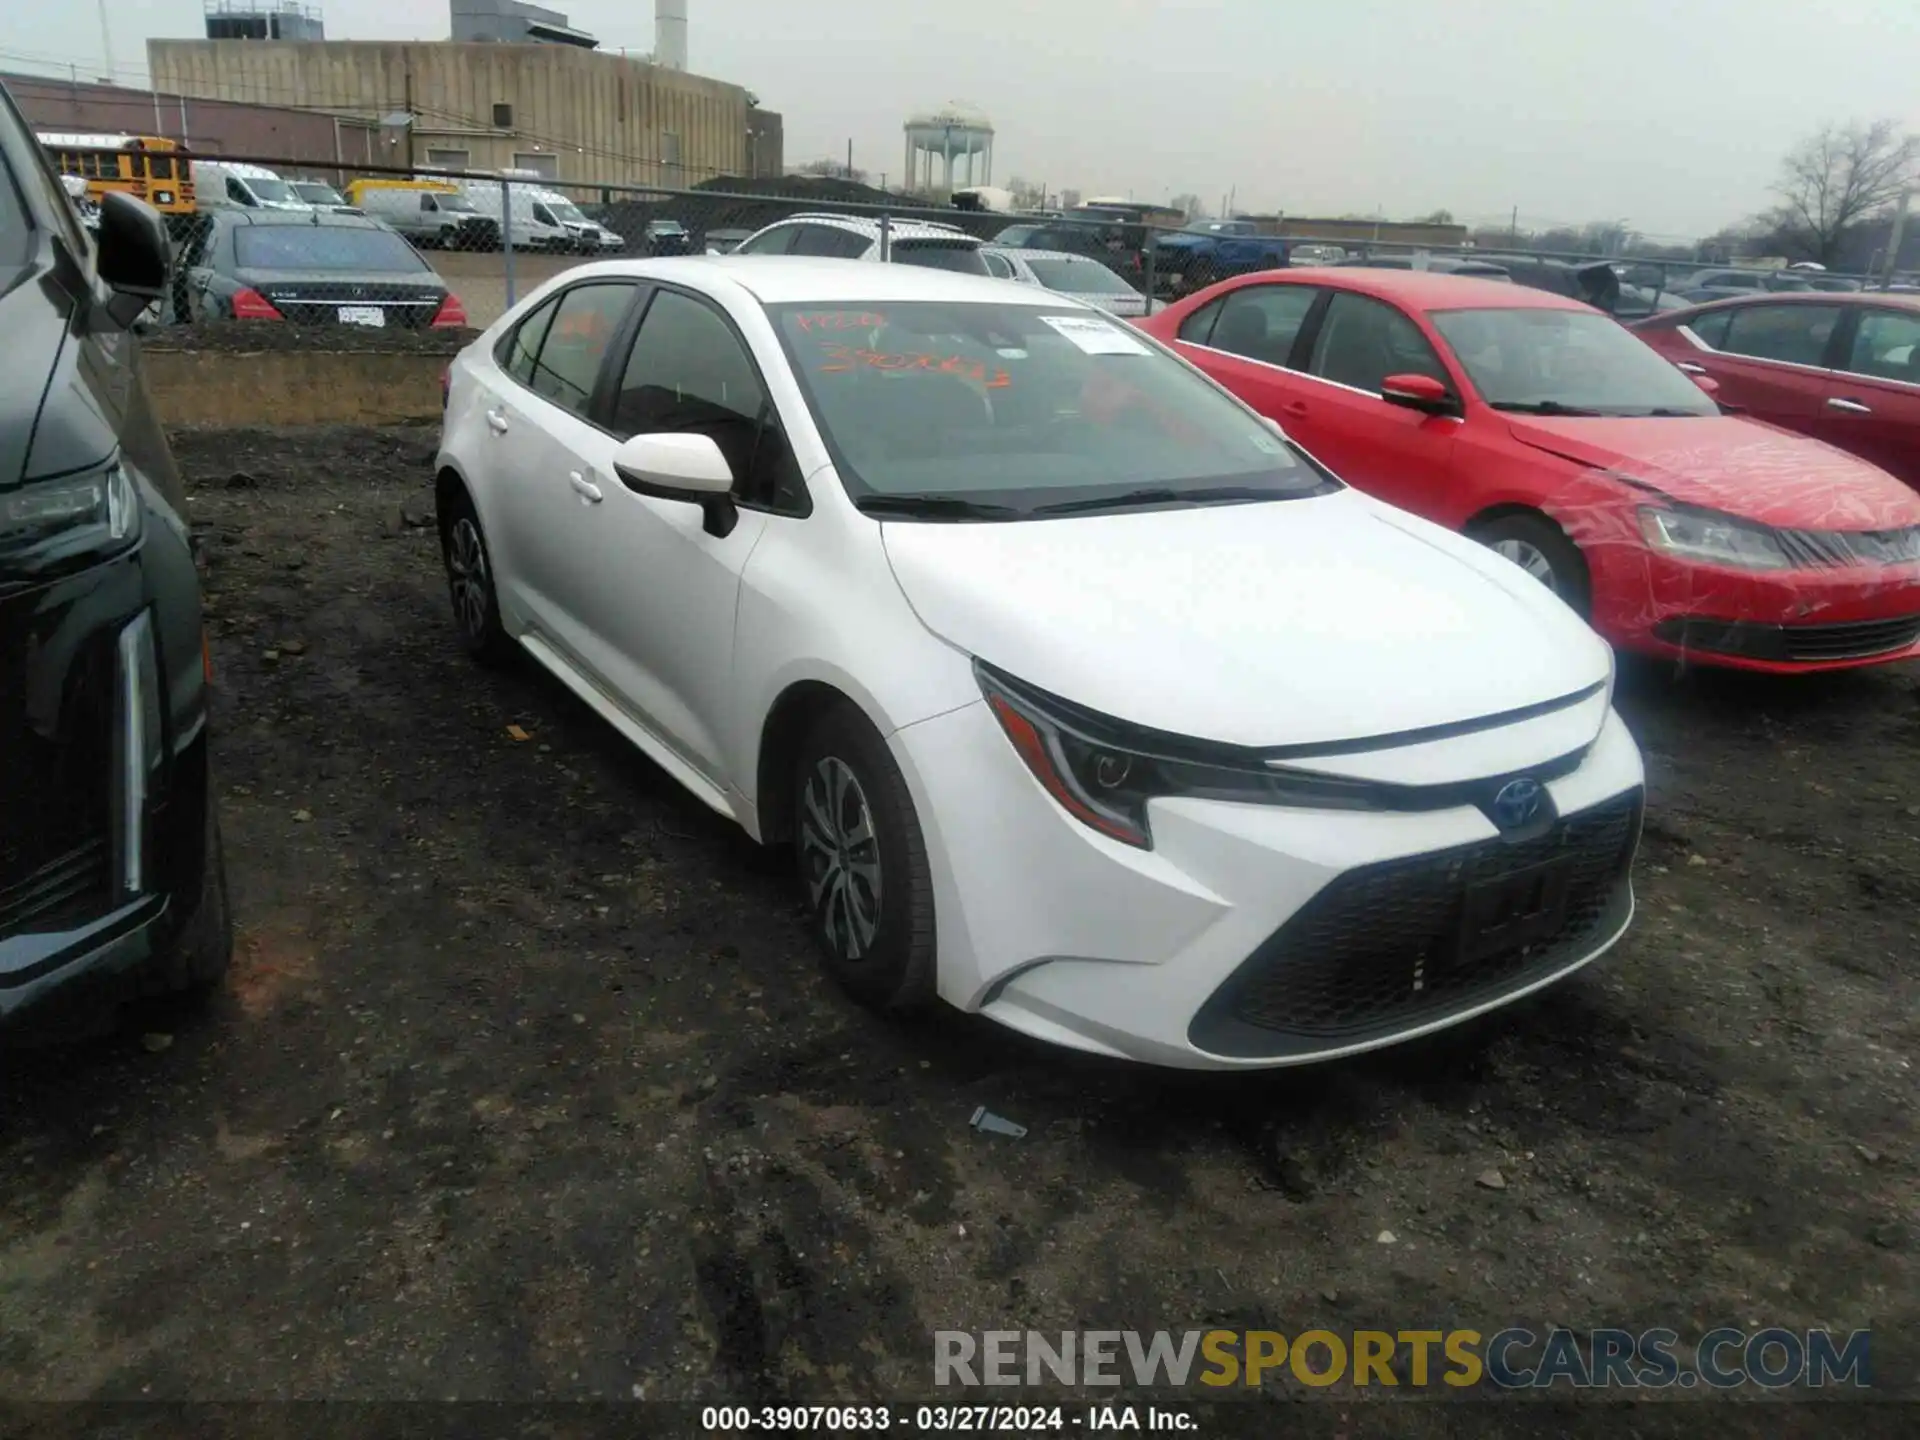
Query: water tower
[(954, 132)]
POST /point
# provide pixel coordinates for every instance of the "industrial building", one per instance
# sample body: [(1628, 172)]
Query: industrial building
[(334, 143), (549, 101)]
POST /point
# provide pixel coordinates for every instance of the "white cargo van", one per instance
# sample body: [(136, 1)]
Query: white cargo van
[(543, 219), (230, 185)]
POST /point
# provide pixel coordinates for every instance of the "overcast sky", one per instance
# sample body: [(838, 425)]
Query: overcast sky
[(1669, 116)]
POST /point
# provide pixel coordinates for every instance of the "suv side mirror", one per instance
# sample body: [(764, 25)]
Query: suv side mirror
[(134, 255), (1419, 392)]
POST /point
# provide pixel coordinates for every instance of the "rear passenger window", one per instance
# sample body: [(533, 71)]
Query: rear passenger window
[(1796, 334), (1261, 322), (772, 242), (1197, 328), (830, 242), (1712, 327), (576, 343), (522, 346)]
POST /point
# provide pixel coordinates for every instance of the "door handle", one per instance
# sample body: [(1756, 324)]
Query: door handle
[(1851, 407), (586, 489), (1295, 407), (497, 421), (1689, 367)]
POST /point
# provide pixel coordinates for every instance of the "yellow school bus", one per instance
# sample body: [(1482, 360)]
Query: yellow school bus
[(148, 167)]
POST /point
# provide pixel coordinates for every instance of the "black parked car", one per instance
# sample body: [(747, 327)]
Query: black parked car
[(311, 268), (665, 237), (110, 871)]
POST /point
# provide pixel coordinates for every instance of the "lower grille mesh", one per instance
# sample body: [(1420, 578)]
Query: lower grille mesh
[(1380, 948)]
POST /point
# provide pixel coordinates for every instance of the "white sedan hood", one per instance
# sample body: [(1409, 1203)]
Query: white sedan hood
[(1272, 624)]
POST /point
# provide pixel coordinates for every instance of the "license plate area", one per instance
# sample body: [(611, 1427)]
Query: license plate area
[(363, 315), (1511, 911)]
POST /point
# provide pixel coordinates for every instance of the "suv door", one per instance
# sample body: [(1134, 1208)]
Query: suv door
[(1403, 456), (1872, 404), (1773, 360)]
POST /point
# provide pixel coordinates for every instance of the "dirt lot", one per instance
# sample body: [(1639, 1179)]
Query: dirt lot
[(526, 1084)]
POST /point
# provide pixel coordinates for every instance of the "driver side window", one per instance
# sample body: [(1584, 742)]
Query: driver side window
[(688, 372), (1363, 340)]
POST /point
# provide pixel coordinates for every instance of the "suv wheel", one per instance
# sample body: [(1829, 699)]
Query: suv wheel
[(203, 949)]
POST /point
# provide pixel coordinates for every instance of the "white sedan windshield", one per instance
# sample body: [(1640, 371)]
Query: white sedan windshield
[(1024, 407)]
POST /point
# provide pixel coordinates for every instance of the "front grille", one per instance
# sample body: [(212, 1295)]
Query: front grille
[(1830, 549), (1384, 947), (1807, 644), (56, 747), (64, 893)]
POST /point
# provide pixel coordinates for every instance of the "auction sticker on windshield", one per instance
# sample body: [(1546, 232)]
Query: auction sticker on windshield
[(1095, 336)]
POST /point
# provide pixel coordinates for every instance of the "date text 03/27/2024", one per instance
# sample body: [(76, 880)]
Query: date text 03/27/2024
[(947, 1419)]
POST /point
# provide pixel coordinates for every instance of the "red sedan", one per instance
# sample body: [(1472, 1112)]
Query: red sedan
[(1546, 430), (1842, 368)]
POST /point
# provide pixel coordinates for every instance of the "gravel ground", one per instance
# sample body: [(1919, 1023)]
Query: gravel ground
[(527, 1085)]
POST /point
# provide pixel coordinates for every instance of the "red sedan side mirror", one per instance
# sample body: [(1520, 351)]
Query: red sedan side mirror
[(1707, 383), (1418, 392)]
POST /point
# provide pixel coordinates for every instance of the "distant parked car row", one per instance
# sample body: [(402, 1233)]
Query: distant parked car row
[(1844, 368), (1561, 441)]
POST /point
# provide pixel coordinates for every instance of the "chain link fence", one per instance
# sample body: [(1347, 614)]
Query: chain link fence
[(310, 244)]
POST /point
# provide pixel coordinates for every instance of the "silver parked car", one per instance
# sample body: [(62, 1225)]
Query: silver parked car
[(1080, 276)]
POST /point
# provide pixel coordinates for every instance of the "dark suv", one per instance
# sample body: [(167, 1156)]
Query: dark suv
[(110, 871)]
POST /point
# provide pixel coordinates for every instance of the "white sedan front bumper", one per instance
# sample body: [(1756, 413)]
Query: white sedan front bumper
[(1250, 935)]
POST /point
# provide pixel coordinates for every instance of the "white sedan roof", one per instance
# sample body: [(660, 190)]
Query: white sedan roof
[(801, 279)]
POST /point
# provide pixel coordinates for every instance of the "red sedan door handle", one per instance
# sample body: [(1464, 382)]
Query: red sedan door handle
[(1689, 367), (1295, 407), (1850, 407)]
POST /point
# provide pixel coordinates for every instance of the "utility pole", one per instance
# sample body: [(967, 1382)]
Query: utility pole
[(849, 157), (106, 43), (1894, 240), (1513, 230)]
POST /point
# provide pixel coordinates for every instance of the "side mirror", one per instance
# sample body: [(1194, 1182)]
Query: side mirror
[(684, 467), (1706, 383), (1419, 392), (133, 255)]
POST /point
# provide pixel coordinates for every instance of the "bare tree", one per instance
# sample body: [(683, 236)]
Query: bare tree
[(1192, 206), (1838, 178)]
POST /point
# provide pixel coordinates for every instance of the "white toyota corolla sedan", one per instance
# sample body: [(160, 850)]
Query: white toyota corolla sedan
[(1087, 700)]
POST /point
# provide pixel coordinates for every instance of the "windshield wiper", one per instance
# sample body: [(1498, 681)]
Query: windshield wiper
[(936, 507), (1159, 495), (1541, 407)]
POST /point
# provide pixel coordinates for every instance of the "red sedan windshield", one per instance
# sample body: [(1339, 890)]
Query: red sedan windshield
[(1565, 362)]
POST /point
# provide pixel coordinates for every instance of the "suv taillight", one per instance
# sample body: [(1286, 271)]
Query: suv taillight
[(450, 313), (252, 305)]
